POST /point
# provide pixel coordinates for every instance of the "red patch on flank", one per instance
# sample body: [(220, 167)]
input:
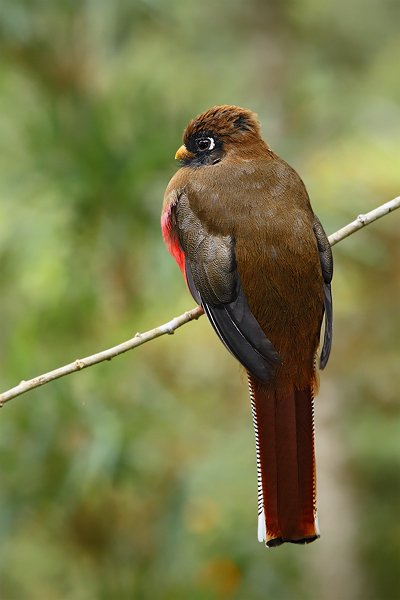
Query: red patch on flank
[(171, 239)]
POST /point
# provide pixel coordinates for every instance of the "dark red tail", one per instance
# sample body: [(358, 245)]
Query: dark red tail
[(284, 428)]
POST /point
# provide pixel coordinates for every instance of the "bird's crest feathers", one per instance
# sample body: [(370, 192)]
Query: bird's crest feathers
[(224, 121)]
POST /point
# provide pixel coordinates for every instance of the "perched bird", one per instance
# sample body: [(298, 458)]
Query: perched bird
[(238, 221)]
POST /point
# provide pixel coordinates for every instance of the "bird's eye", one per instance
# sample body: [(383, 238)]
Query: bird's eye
[(206, 143)]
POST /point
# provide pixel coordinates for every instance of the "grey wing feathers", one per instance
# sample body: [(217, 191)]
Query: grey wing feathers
[(242, 335), (210, 258), (214, 282), (326, 260)]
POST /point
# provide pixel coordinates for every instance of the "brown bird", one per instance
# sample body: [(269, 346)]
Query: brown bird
[(238, 221)]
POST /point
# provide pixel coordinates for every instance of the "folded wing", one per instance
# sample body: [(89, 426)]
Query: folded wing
[(326, 260), (214, 282)]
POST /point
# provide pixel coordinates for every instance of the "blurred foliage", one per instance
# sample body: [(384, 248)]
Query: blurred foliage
[(136, 478)]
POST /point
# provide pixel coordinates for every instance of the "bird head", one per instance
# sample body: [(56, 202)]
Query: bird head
[(211, 135)]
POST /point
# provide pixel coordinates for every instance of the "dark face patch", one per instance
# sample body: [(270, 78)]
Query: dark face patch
[(206, 147)]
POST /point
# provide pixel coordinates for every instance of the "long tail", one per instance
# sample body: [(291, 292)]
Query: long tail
[(284, 429)]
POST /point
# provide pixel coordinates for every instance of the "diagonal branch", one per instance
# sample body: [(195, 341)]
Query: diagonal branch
[(363, 220), (93, 359), (171, 326)]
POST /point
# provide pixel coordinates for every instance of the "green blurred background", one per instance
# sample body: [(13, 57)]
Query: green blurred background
[(136, 478)]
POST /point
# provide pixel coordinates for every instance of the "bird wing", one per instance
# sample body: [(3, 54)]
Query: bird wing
[(214, 282), (326, 260)]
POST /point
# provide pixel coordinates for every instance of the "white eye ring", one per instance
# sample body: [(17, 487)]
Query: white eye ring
[(209, 141)]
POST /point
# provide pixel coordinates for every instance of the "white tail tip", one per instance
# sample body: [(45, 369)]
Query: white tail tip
[(317, 531), (261, 531)]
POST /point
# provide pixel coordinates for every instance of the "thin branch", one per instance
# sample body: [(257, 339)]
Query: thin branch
[(82, 363), (363, 220), (174, 324)]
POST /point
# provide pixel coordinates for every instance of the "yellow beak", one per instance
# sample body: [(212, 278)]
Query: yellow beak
[(183, 154)]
